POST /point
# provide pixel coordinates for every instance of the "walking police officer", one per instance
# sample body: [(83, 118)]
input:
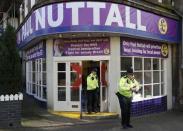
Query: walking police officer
[(127, 85)]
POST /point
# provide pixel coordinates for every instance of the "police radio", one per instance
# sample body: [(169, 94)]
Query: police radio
[(92, 78)]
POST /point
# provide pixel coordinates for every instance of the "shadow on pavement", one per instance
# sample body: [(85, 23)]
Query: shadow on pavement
[(33, 115)]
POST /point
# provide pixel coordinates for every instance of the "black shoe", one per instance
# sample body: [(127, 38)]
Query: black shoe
[(124, 126), (89, 112), (129, 126)]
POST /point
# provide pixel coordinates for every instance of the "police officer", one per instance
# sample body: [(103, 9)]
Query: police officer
[(127, 85), (92, 87)]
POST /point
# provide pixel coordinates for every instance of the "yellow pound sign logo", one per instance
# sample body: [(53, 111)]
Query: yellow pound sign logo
[(164, 50), (163, 27)]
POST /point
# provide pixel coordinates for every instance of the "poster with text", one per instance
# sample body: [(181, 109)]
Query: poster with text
[(81, 47), (144, 48)]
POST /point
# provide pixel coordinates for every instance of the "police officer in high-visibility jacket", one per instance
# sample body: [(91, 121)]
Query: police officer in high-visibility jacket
[(92, 87), (127, 86)]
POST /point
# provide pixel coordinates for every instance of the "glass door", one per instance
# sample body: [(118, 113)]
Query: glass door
[(104, 86), (75, 84), (69, 79)]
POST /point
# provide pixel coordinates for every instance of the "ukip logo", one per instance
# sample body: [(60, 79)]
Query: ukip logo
[(163, 26), (164, 50)]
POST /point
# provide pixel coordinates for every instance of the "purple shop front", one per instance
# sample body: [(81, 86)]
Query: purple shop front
[(144, 48), (105, 17)]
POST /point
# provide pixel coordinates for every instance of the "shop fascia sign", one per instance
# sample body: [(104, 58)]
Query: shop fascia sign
[(95, 16)]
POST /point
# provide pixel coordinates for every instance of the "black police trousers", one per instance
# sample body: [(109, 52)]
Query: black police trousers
[(92, 100), (125, 105)]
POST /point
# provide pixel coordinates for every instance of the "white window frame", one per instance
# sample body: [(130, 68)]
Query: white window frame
[(160, 70), (38, 78)]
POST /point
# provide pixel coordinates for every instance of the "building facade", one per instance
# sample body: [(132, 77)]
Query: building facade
[(62, 41)]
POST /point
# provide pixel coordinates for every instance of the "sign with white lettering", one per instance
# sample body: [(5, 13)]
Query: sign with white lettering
[(136, 47), (37, 51), (97, 17), (81, 47)]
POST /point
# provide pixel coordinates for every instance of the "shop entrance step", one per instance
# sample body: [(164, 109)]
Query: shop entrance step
[(84, 115)]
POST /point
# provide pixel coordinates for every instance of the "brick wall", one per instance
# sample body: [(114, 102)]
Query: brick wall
[(10, 112), (149, 106)]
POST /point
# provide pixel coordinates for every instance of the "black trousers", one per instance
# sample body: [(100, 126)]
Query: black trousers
[(125, 105), (92, 100)]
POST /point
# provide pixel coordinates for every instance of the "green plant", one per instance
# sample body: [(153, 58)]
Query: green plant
[(10, 65)]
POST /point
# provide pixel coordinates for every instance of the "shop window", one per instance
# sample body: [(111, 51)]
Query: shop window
[(137, 64), (33, 77), (156, 90), (44, 78), (44, 65), (123, 74), (141, 91), (138, 77), (147, 91), (126, 62), (147, 63), (162, 76), (147, 77), (39, 81), (33, 88), (155, 64), (36, 78), (162, 89), (33, 65), (149, 72), (39, 65), (39, 91), (44, 92), (156, 77)]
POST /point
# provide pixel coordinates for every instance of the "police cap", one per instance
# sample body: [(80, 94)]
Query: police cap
[(129, 70), (94, 70)]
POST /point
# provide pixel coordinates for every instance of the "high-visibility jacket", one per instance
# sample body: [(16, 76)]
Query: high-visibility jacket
[(126, 85), (92, 82)]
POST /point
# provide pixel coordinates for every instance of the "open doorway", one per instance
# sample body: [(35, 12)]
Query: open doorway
[(87, 66), (102, 73)]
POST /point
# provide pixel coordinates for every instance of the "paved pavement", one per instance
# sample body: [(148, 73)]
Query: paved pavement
[(38, 119), (169, 121), (36, 116)]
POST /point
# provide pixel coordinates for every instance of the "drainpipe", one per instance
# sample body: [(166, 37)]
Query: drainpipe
[(181, 59)]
